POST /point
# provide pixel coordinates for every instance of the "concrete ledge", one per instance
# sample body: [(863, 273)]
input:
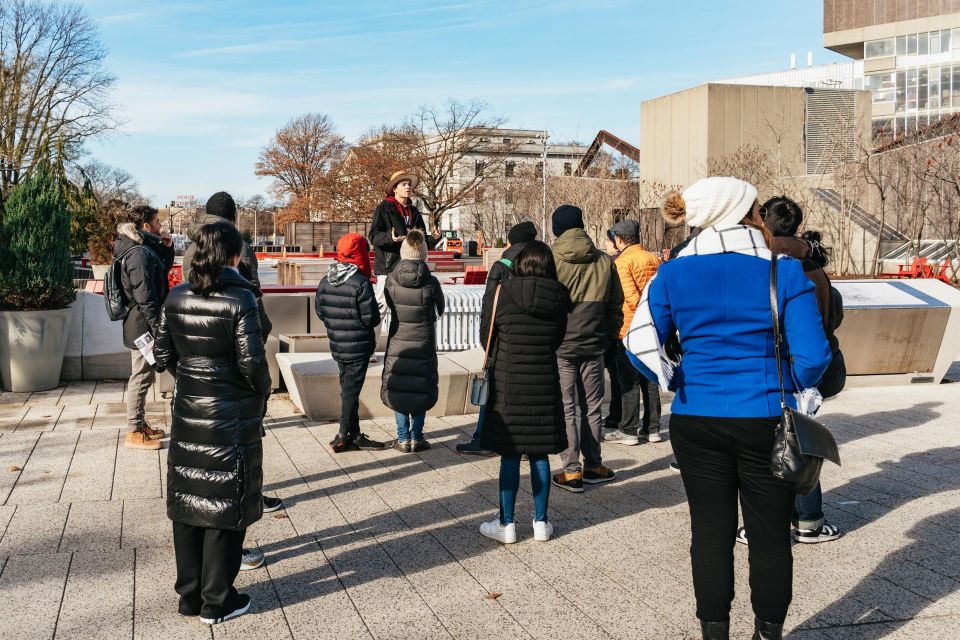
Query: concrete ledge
[(313, 384)]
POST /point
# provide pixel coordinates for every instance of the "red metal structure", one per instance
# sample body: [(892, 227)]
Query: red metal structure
[(606, 138)]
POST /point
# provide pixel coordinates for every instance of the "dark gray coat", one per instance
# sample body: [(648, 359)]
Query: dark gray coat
[(410, 380), (215, 348)]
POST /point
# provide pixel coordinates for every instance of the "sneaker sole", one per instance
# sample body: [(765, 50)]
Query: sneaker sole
[(249, 567), (816, 540), (496, 539), (599, 480), (567, 487), (626, 443), (272, 509), (233, 614)]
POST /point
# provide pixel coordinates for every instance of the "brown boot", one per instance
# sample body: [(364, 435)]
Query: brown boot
[(153, 434), (139, 440)]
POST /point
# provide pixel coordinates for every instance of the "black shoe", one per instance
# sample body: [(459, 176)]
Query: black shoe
[(403, 446), (239, 607), (596, 475), (419, 445), (715, 630), (364, 443), (271, 504), (340, 444), (767, 630), (474, 449)]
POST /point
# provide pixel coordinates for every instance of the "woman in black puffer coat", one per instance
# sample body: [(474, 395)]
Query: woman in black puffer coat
[(209, 334), (524, 408), (410, 381)]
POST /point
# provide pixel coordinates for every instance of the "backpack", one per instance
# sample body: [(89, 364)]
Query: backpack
[(118, 305)]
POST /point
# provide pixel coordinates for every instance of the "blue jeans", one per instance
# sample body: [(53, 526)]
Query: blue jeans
[(808, 510), (510, 484), (410, 427), (475, 439)]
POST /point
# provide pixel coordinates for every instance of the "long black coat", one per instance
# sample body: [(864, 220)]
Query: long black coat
[(410, 381), (348, 308), (214, 345), (144, 279), (524, 408), (386, 220)]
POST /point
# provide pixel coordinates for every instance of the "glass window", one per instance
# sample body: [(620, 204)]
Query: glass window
[(879, 48), (945, 87), (510, 169), (934, 42), (924, 43), (901, 45), (912, 44), (567, 169), (945, 40), (923, 77), (882, 128), (901, 91), (540, 169), (912, 89), (955, 39), (955, 93), (883, 87), (934, 88), (478, 167)]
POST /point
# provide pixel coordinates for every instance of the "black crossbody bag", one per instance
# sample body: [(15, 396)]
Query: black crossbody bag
[(801, 443)]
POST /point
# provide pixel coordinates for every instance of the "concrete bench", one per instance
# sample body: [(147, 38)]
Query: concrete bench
[(314, 385)]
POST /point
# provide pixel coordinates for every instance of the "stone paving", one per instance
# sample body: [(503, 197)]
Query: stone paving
[(385, 545)]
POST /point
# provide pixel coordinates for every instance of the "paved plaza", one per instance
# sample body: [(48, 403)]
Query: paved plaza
[(385, 545)]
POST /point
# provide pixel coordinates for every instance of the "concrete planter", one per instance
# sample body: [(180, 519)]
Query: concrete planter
[(99, 270), (32, 344)]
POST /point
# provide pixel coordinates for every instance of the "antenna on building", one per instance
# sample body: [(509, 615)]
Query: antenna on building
[(793, 61), (809, 58)]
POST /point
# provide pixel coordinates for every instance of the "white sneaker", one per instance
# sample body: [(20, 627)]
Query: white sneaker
[(542, 530), (654, 436), (506, 534), (615, 436)]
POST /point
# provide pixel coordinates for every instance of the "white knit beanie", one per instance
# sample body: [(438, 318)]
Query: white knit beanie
[(414, 246), (718, 202)]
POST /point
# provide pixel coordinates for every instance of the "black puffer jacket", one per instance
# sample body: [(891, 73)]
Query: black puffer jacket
[(410, 380), (386, 221), (524, 409), (214, 345), (499, 271), (348, 308), (144, 279)]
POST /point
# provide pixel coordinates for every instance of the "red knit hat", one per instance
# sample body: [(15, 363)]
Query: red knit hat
[(353, 248)]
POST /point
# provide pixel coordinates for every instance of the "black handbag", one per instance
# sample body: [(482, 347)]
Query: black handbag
[(801, 443)]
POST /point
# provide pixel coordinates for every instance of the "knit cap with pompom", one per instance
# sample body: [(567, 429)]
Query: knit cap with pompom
[(414, 246)]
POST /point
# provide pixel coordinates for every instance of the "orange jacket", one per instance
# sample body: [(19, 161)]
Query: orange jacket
[(635, 266)]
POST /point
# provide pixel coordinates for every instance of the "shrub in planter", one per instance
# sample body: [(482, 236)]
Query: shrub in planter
[(36, 283)]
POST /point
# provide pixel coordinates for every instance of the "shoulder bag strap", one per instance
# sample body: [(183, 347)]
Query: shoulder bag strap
[(775, 316), (493, 317)]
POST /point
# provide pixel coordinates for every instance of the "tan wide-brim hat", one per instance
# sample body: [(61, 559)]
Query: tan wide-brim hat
[(399, 177)]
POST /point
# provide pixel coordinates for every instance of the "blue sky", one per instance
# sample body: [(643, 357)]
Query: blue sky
[(203, 84)]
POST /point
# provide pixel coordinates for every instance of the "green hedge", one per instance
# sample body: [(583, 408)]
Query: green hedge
[(35, 268)]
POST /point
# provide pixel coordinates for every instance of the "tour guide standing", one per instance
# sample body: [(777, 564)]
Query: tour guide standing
[(392, 219), (148, 256), (596, 315)]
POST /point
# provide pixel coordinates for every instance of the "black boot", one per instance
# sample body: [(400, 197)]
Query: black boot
[(715, 630), (767, 630)]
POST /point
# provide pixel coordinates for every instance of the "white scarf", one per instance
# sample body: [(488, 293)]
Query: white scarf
[(642, 340)]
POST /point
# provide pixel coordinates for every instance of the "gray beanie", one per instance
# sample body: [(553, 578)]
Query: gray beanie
[(414, 246)]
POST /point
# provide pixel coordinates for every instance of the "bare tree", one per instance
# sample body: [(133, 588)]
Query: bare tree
[(299, 158), (365, 170), (110, 184), (444, 140), (53, 86)]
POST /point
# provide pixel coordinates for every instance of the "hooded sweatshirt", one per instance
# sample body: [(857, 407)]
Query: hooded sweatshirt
[(596, 296)]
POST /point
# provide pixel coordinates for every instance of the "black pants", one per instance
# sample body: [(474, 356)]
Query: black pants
[(208, 561), (352, 375), (721, 459), (615, 410), (634, 386)]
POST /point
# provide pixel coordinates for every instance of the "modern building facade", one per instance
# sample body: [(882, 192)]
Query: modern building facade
[(808, 131), (910, 50)]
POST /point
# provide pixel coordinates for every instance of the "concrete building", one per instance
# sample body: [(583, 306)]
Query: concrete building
[(809, 131), (911, 56)]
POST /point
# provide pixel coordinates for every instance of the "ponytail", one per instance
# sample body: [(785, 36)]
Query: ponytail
[(217, 243), (819, 254)]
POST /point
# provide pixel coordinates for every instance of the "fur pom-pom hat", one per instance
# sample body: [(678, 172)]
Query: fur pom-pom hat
[(719, 202), (414, 246)]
